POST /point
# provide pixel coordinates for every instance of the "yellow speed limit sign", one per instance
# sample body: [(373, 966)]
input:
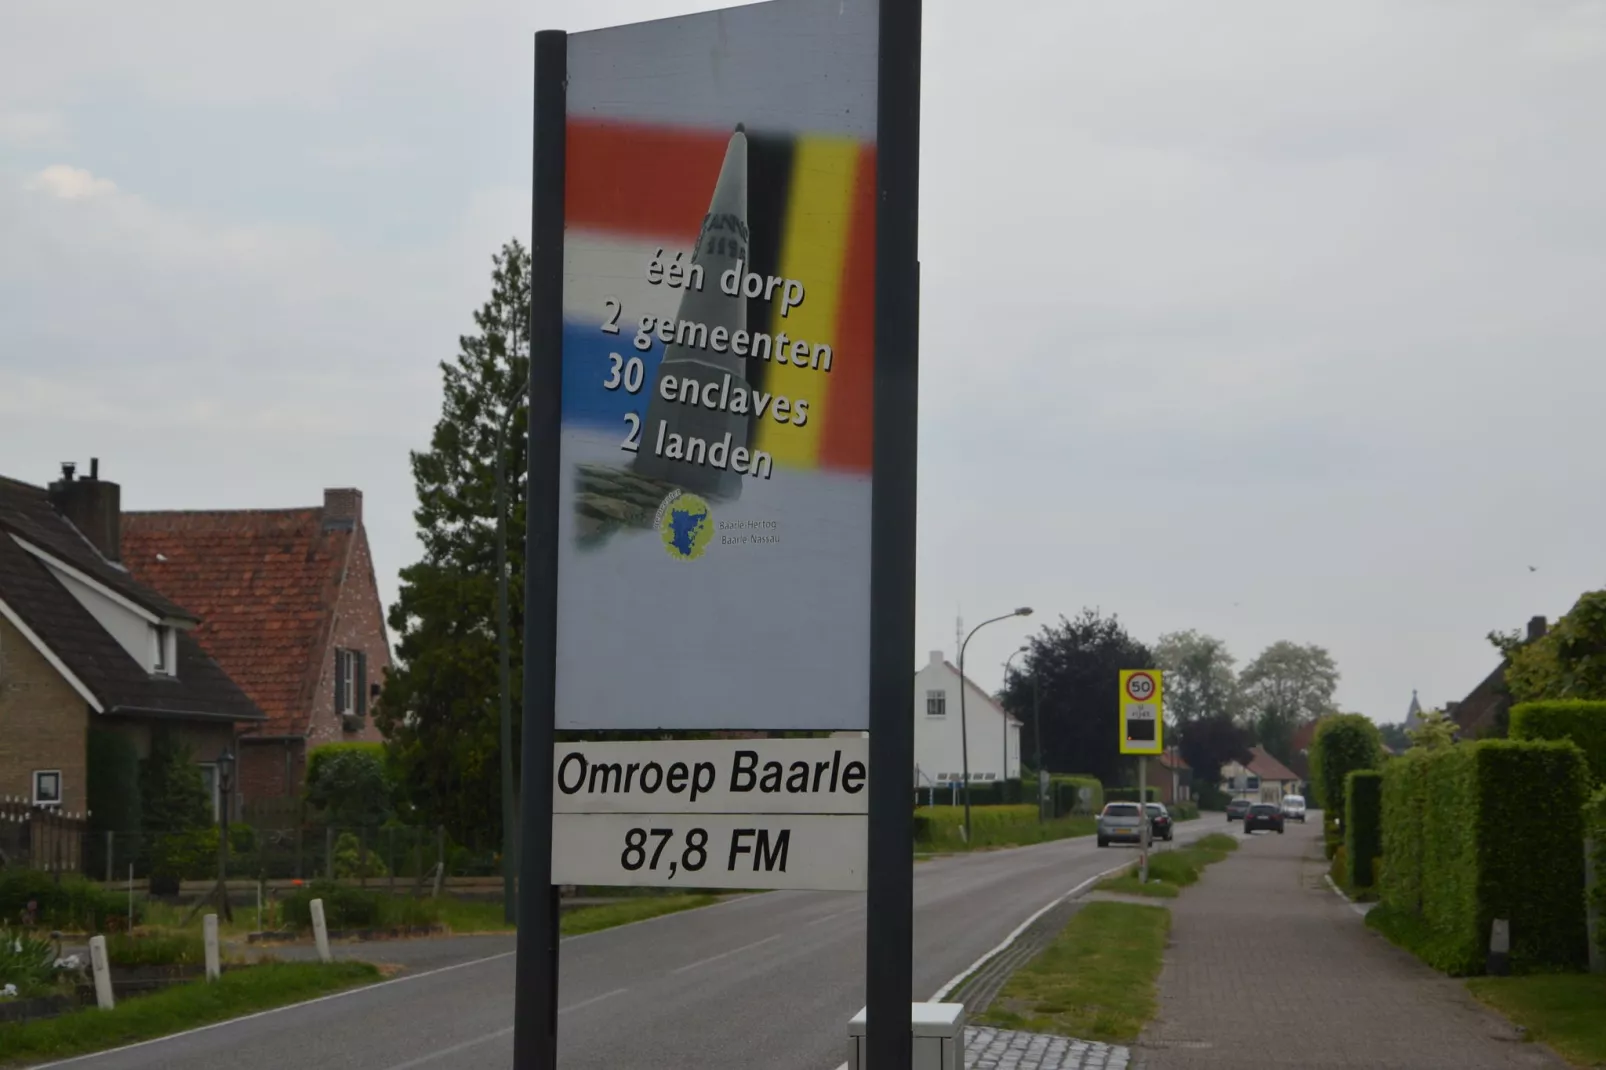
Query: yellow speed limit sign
[(1141, 706)]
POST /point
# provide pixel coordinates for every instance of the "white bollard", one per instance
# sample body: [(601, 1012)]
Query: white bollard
[(103, 972), (214, 969), (320, 932)]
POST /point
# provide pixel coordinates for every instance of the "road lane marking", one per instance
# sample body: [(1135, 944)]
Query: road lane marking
[(453, 1050), (277, 1010), (828, 917), (726, 954), (593, 999)]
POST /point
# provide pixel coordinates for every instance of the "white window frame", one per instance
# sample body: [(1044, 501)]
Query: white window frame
[(210, 768), (162, 663), (937, 698), (61, 788), (346, 685)]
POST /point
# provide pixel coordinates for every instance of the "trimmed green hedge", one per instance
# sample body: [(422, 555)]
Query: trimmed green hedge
[(1582, 722), (1595, 829), (1064, 790), (1344, 743), (991, 793), (1363, 826), (1130, 794), (1481, 831)]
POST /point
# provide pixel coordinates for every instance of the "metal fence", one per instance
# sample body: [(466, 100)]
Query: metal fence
[(392, 855)]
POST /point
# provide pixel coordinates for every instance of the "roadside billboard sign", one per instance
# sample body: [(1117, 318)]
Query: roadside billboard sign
[(718, 370)]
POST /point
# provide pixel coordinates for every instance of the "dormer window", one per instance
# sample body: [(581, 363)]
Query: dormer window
[(166, 651)]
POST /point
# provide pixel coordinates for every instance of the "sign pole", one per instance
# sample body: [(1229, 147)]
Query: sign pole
[(535, 1014), (1143, 810), (889, 931)]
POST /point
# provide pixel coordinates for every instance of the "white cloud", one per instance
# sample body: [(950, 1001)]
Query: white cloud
[(70, 183)]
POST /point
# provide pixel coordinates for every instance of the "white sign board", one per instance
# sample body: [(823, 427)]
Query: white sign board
[(716, 776), (763, 813), (805, 851)]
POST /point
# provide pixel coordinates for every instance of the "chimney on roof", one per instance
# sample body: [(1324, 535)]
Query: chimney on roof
[(1537, 628), (936, 657), (342, 509), (93, 506)]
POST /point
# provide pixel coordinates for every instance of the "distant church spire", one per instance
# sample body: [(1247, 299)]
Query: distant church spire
[(1413, 716)]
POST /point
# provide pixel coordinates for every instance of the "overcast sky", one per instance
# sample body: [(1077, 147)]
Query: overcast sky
[(1272, 320)]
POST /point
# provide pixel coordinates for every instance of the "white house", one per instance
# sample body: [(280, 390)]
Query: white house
[(1264, 779), (992, 734)]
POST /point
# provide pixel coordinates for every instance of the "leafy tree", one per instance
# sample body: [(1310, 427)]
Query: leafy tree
[(171, 788), (1080, 663), (1568, 661), (1393, 736), (439, 709), (348, 786), (1344, 743), (1199, 677), (1210, 742), (1287, 685), (1434, 730)]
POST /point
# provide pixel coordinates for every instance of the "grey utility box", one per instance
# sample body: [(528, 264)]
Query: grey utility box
[(939, 1037)]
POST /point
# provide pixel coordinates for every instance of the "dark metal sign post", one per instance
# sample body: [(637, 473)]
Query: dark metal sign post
[(890, 461)]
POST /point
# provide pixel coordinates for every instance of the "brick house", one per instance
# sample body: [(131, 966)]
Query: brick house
[(1487, 708), (83, 644), (290, 609), (1173, 776)]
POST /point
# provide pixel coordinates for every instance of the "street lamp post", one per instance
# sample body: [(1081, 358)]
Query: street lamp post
[(964, 731), (1004, 776), (510, 842), (225, 786)]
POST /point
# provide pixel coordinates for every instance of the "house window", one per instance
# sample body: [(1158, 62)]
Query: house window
[(47, 787), (163, 662), (1253, 783), (209, 778), (936, 703), (351, 683)]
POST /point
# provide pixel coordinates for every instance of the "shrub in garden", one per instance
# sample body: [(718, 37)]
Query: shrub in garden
[(74, 904), (352, 861), (1130, 794), (1481, 831), (1582, 722), (343, 907), (1363, 826)]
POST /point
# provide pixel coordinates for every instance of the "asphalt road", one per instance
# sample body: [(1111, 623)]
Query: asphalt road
[(767, 980)]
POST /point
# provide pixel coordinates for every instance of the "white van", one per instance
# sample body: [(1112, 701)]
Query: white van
[(1294, 808)]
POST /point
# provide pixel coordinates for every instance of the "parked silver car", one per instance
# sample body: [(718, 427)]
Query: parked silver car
[(1121, 821)]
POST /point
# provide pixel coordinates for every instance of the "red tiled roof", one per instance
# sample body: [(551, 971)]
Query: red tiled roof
[(1305, 735), (263, 583), (1264, 766), (1171, 759)]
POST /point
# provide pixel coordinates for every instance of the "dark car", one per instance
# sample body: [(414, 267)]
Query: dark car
[(1159, 821), (1236, 809), (1266, 816)]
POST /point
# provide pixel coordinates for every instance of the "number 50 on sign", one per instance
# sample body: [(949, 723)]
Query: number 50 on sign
[(1142, 703)]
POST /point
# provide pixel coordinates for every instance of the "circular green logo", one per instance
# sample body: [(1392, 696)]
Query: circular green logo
[(686, 524)]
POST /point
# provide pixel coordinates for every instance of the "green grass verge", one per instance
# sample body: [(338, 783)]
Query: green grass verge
[(1566, 1011), (1096, 981), (1128, 885), (608, 915), (941, 828), (1170, 871), (178, 1008)]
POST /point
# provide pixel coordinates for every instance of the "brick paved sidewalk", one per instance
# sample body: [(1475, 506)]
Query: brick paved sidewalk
[(1268, 968)]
